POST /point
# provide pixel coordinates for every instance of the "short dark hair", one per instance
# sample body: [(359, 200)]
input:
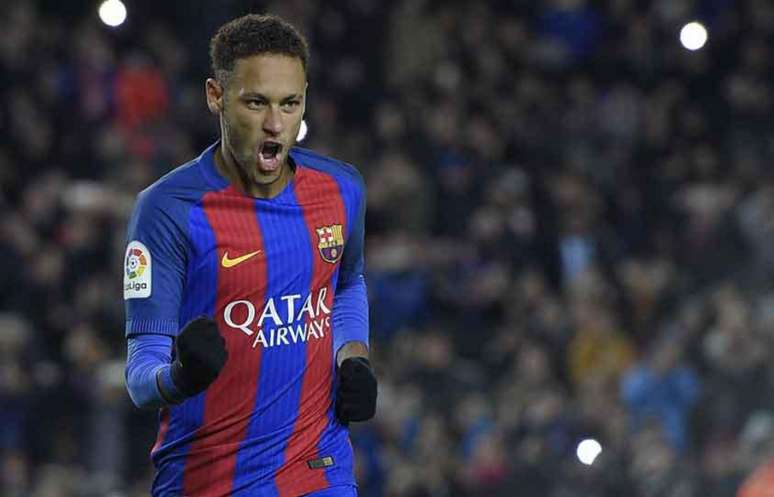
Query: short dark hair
[(254, 34)]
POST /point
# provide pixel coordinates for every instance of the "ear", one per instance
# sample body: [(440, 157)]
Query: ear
[(214, 92)]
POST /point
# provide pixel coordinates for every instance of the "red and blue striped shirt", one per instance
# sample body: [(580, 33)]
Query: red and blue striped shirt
[(283, 279)]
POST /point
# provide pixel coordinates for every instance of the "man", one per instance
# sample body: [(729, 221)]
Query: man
[(247, 263)]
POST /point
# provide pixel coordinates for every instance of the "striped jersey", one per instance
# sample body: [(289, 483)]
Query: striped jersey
[(283, 280)]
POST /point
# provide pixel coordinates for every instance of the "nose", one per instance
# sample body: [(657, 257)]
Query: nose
[(272, 122)]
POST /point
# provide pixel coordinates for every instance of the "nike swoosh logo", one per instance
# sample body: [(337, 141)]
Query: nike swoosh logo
[(226, 262)]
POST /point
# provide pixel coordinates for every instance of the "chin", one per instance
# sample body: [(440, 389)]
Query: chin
[(266, 179)]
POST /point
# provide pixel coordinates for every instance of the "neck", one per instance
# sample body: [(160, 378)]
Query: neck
[(227, 167)]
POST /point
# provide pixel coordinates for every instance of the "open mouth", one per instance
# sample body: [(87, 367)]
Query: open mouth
[(270, 149), (269, 156)]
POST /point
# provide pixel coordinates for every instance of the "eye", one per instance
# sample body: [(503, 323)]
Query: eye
[(291, 104), (255, 103)]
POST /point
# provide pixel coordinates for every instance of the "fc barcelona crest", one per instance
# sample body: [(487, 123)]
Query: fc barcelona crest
[(330, 241)]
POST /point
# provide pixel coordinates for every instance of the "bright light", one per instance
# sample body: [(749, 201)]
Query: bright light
[(693, 36), (112, 12), (588, 450), (302, 131)]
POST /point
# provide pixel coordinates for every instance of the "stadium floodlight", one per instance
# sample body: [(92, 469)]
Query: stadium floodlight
[(112, 12), (302, 131), (588, 450), (693, 36)]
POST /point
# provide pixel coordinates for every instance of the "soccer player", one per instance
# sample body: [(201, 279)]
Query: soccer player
[(247, 318)]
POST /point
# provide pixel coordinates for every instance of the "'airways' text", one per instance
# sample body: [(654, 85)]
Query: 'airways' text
[(300, 332)]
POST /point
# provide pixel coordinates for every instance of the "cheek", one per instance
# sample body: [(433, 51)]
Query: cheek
[(243, 128), (248, 119)]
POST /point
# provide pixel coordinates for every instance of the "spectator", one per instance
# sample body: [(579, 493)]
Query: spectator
[(662, 389)]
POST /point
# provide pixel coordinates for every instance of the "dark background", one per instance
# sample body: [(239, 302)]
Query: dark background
[(570, 234)]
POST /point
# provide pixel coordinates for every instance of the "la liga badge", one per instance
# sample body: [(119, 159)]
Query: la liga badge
[(137, 271)]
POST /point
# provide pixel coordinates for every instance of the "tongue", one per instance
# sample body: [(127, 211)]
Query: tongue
[(268, 162)]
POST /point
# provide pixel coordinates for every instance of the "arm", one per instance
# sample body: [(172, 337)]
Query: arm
[(153, 381), (356, 393), (350, 319), (350, 303), (148, 369), (155, 265), (154, 271), (351, 349)]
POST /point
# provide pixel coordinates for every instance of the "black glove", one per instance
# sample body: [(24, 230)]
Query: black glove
[(200, 355), (356, 396)]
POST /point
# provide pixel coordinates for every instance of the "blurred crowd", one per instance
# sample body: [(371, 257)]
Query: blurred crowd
[(570, 235)]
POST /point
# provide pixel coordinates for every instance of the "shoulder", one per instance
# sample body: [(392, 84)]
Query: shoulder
[(343, 172), (165, 205), (180, 187)]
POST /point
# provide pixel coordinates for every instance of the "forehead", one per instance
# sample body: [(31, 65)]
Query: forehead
[(267, 73)]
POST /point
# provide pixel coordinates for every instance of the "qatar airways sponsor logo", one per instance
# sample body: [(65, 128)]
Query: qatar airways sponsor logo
[(306, 319)]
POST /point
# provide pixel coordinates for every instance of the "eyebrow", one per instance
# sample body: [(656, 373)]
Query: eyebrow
[(251, 94)]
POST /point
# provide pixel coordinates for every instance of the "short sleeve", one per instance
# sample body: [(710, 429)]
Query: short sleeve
[(154, 265)]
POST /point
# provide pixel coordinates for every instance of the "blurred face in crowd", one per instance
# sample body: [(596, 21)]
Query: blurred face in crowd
[(260, 106)]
